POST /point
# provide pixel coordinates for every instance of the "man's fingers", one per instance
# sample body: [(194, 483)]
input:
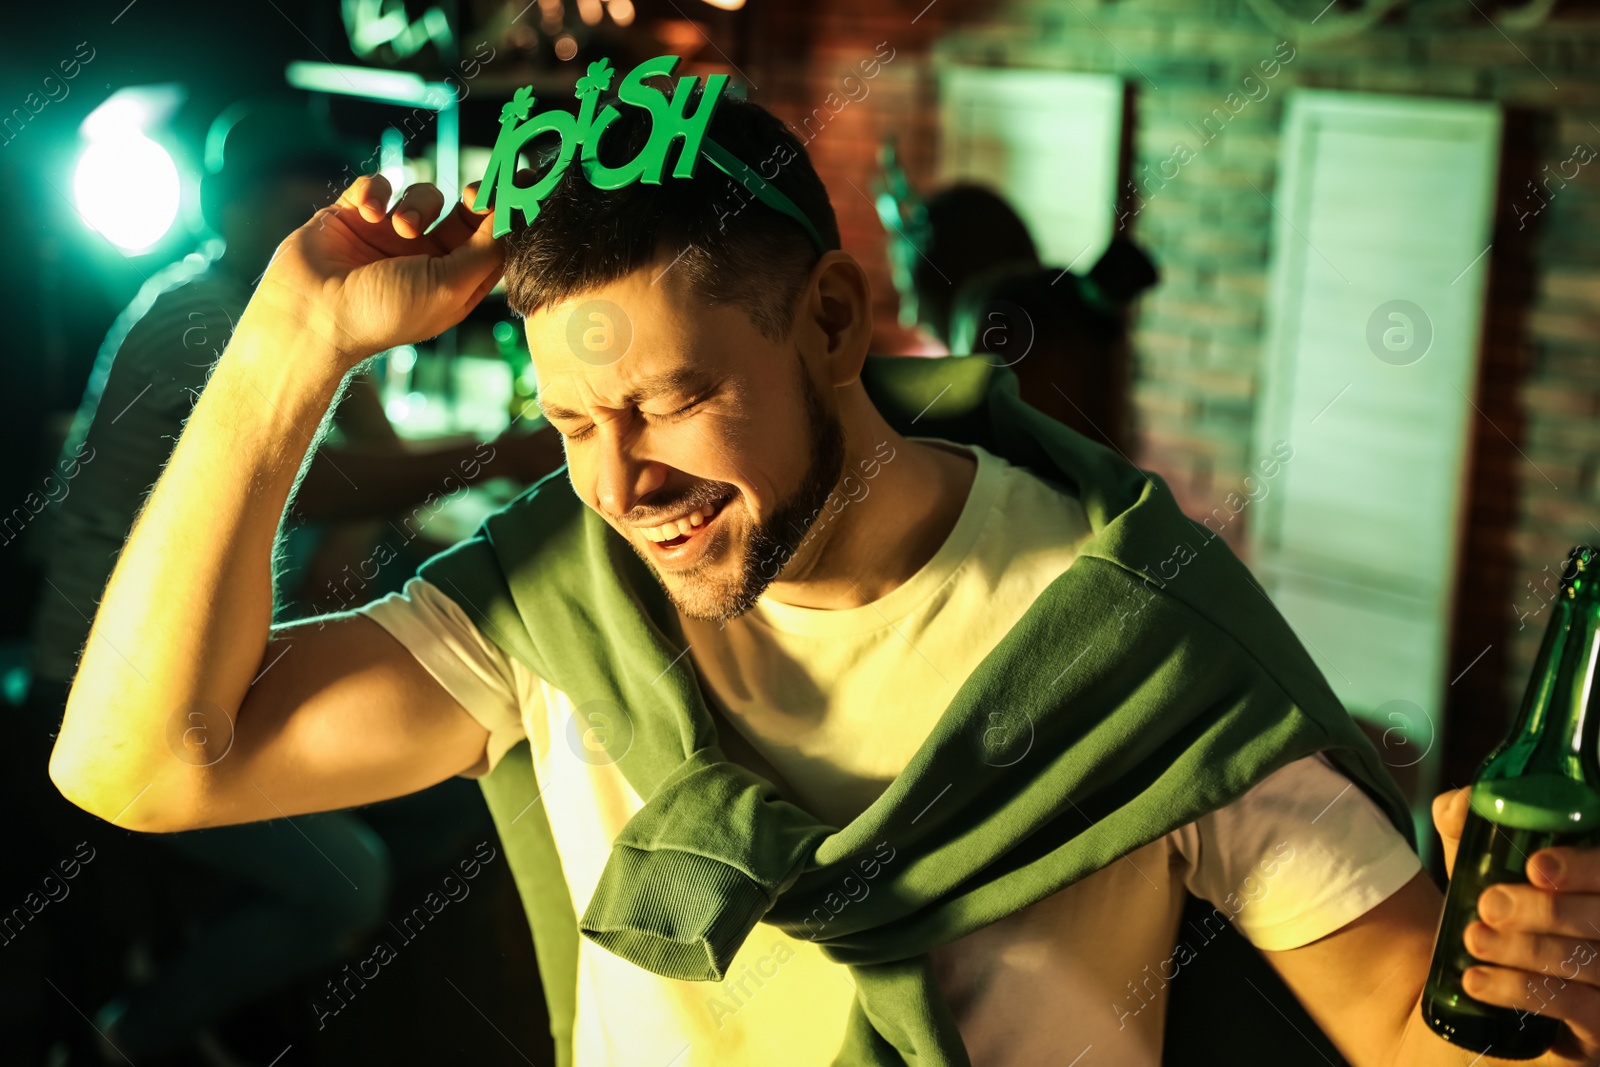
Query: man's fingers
[(1547, 995), (416, 209), (457, 227), (1450, 812), (524, 176), (1566, 957), (1567, 868), (368, 195), (1527, 908), (1450, 818), (471, 269), (465, 219)]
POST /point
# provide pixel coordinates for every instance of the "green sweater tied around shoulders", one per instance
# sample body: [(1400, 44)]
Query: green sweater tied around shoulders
[(1123, 705)]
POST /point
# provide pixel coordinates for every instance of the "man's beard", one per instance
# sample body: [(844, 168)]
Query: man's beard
[(771, 544)]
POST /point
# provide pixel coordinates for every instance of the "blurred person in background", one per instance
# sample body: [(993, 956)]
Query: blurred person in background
[(968, 273), (299, 895), (1063, 334)]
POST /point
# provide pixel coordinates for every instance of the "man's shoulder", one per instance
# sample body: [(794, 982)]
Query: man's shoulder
[(1035, 525)]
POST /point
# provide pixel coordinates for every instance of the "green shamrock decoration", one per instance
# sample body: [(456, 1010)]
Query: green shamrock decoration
[(598, 80), (518, 108)]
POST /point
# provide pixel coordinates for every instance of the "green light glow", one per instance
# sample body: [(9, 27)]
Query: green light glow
[(126, 187)]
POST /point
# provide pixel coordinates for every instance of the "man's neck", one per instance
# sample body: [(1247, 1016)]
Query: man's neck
[(885, 528)]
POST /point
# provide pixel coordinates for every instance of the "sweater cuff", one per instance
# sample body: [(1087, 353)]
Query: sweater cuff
[(678, 914)]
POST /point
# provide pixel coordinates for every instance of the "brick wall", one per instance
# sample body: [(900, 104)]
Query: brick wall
[(1196, 339)]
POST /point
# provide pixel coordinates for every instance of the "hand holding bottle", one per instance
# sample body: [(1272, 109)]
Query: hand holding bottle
[(1518, 950), (1538, 942)]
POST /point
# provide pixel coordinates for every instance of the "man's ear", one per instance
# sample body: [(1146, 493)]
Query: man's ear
[(836, 317)]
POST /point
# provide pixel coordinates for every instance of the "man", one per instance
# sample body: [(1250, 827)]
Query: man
[(739, 648)]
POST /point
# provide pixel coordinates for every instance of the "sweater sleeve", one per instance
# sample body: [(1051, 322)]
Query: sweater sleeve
[(490, 685)]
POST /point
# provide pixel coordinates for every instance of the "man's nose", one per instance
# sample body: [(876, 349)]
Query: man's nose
[(625, 478)]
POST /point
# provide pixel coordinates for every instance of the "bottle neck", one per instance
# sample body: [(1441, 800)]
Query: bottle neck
[(1560, 716)]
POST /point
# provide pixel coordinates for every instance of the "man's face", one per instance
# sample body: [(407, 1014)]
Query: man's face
[(707, 446)]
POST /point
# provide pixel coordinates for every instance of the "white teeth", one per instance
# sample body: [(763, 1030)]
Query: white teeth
[(682, 527)]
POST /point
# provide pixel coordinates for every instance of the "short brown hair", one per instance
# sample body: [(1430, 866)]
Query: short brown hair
[(729, 247)]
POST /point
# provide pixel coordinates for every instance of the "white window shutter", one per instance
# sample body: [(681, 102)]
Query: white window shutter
[(1380, 199)]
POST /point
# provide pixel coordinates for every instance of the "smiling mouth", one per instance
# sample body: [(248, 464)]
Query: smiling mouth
[(686, 529)]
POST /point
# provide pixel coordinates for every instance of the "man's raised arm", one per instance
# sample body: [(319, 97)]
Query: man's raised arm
[(309, 717)]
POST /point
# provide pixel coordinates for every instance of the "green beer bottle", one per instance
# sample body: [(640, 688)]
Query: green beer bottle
[(1538, 789)]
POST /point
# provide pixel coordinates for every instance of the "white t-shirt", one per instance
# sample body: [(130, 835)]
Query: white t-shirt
[(837, 701)]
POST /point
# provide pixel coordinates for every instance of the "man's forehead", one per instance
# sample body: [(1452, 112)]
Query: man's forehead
[(606, 349), (645, 334), (597, 325)]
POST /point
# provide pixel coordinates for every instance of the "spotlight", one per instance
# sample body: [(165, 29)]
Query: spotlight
[(126, 186)]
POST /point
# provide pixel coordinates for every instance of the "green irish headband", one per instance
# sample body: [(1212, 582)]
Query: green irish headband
[(519, 125)]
